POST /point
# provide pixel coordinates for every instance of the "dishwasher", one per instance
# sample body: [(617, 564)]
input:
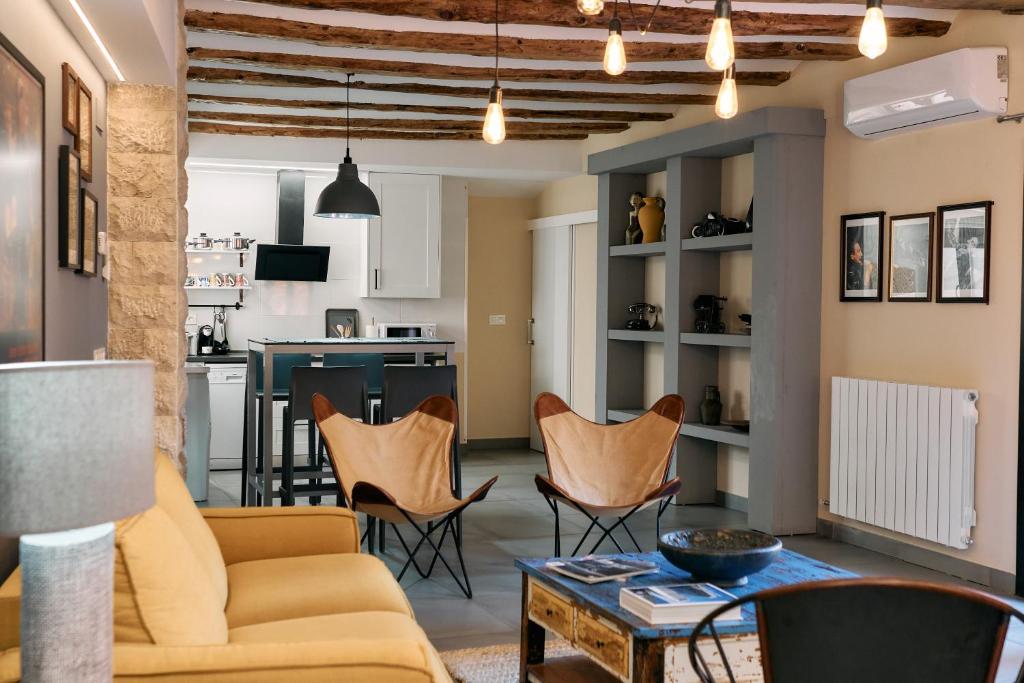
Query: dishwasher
[(227, 409)]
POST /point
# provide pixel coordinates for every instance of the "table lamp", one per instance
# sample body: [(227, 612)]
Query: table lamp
[(76, 454)]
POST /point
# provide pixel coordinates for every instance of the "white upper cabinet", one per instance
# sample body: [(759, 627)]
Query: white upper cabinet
[(402, 249)]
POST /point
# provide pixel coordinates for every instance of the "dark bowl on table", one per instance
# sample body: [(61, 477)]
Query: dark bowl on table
[(720, 556)]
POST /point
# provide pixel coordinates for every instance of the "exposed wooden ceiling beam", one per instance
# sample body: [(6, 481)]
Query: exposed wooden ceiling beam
[(405, 124), (1005, 5), (335, 105), (360, 134), (670, 19), (381, 67), (246, 77), (481, 45)]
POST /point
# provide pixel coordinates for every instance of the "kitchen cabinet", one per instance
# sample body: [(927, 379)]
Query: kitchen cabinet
[(402, 248)]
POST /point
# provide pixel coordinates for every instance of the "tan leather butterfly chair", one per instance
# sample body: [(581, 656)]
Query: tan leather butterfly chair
[(607, 470), (400, 472)]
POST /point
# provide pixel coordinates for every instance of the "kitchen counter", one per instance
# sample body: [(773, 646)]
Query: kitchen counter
[(357, 341), (228, 358)]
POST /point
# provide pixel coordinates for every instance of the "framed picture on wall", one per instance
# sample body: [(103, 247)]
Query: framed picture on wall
[(69, 99), (69, 248), (83, 141), (860, 257), (22, 206), (910, 257), (964, 253), (90, 233)]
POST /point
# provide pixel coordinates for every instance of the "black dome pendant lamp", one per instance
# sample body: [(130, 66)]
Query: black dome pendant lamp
[(347, 196)]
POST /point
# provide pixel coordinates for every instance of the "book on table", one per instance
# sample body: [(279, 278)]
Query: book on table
[(595, 569), (681, 603)]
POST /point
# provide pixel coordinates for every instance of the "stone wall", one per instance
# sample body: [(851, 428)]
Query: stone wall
[(146, 148)]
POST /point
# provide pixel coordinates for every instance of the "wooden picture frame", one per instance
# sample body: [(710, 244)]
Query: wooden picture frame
[(83, 141), (962, 273), (69, 98), (910, 257), (862, 256), (89, 234), (23, 189), (69, 183)]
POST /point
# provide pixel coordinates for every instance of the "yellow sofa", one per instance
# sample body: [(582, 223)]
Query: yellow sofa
[(248, 594)]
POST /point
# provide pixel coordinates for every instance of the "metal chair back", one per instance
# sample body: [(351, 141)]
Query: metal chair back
[(373, 362), (405, 387), (344, 387)]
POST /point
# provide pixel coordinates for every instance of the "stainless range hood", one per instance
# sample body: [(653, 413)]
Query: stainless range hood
[(289, 259)]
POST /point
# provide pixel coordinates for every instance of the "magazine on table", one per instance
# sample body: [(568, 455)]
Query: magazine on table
[(682, 603), (595, 569)]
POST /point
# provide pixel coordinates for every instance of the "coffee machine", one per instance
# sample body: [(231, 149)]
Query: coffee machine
[(204, 343), (709, 314)]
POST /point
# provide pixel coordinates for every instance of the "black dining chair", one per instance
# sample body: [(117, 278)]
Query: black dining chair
[(374, 364), (345, 387), (860, 630)]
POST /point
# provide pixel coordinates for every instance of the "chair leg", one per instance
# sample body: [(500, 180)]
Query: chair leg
[(371, 534), (425, 536), (288, 460), (245, 453), (558, 533), (381, 542), (411, 554), (312, 456)]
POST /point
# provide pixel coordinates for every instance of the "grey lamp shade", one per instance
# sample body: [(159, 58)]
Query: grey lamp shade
[(347, 196), (76, 444)]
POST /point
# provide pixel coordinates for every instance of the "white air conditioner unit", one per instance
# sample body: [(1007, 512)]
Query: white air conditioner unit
[(963, 85)]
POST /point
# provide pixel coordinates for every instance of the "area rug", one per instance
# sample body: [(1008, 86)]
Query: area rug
[(497, 663)]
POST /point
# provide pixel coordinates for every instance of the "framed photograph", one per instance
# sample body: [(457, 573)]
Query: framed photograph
[(861, 274), (910, 257), (342, 322), (83, 141), (69, 184), (22, 204), (69, 99), (90, 234), (964, 253)]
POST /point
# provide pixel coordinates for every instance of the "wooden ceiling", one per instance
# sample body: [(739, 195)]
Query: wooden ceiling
[(421, 68)]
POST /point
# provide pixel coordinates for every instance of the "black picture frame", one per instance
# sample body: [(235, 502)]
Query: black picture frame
[(89, 235), (23, 196), (69, 98), (900, 252), (341, 316), (69, 217), (955, 257), (868, 231)]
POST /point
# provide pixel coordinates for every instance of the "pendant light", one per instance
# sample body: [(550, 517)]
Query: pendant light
[(615, 50), (721, 51), (347, 196), (494, 120), (728, 103), (873, 39), (590, 8)]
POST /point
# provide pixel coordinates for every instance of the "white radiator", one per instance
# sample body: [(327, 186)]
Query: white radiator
[(903, 458)]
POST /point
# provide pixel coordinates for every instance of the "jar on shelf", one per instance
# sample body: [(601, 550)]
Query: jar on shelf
[(711, 406)]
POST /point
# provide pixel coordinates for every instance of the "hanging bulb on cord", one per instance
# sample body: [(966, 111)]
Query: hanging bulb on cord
[(721, 51), (874, 40), (494, 121), (590, 8), (728, 103), (615, 50)]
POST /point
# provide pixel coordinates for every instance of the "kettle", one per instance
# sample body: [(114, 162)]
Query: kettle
[(220, 333)]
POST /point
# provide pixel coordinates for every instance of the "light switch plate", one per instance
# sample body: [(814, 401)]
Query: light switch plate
[(497, 320)]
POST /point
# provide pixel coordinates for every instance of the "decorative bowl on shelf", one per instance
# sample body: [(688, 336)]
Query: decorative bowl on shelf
[(725, 557)]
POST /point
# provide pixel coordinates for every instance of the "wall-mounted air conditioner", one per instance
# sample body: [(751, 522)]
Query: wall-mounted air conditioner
[(963, 85)]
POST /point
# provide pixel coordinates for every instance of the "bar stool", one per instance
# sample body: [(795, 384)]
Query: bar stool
[(345, 387), (374, 364)]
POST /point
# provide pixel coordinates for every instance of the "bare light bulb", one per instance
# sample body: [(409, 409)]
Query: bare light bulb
[(615, 50), (494, 120), (721, 51), (728, 103), (590, 8), (873, 38)]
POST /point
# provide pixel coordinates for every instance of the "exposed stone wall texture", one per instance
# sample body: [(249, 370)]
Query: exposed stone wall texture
[(146, 148)]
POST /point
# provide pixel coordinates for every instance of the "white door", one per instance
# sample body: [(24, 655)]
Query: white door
[(551, 324)]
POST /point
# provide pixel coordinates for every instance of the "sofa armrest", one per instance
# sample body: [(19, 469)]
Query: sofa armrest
[(349, 660), (264, 533)]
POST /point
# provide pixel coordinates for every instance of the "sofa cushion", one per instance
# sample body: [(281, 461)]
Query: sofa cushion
[(162, 592), (291, 587), (173, 496), (375, 625), (10, 611)]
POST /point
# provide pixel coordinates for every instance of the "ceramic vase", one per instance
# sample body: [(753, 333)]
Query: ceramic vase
[(711, 406), (652, 218)]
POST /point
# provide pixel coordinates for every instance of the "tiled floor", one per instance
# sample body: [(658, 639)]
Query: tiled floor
[(515, 521)]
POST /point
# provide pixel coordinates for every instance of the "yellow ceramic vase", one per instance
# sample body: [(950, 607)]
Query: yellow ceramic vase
[(652, 218)]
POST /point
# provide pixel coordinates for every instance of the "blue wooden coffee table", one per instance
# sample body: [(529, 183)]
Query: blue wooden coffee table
[(617, 644)]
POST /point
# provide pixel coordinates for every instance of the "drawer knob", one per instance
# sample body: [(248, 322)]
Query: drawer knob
[(599, 643), (549, 612)]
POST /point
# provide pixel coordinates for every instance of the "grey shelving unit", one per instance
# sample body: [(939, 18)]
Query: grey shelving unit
[(788, 149)]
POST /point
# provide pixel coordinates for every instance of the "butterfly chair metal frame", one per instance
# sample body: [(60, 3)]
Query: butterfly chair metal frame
[(936, 620), (564, 432), (399, 472)]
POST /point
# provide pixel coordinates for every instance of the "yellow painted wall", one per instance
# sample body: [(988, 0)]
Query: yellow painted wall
[(946, 345), (568, 195), (584, 320), (499, 281)]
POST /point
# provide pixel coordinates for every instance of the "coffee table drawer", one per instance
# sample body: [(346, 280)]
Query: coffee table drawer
[(550, 610), (603, 642)]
